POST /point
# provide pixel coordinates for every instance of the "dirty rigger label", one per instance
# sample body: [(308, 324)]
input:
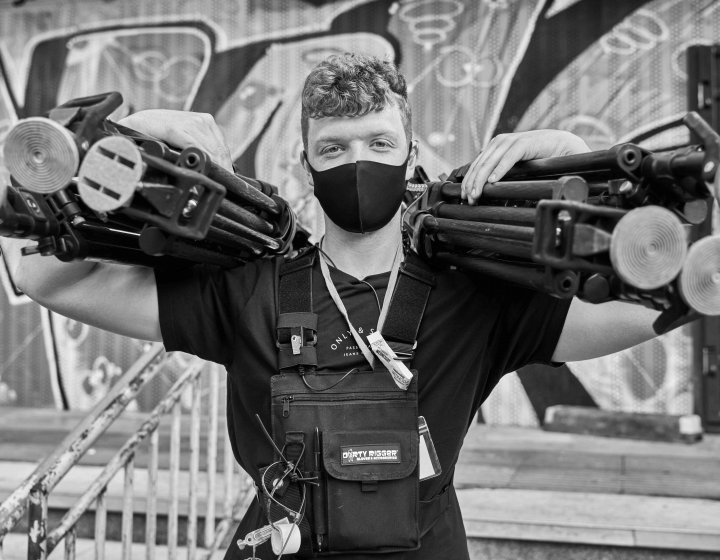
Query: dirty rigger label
[(370, 454)]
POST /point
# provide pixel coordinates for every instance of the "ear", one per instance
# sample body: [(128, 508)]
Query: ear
[(412, 160), (306, 166)]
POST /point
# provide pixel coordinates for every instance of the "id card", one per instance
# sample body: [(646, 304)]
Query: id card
[(399, 371), (429, 462)]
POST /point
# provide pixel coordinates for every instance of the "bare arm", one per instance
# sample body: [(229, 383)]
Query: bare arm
[(117, 298), (592, 330)]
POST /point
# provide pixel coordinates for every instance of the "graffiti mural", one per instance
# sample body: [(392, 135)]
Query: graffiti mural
[(606, 71)]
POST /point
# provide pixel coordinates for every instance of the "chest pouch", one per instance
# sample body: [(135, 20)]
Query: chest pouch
[(353, 435)]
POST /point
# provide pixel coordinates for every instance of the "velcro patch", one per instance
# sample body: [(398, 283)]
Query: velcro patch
[(370, 454)]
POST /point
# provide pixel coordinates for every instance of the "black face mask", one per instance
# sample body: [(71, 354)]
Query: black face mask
[(361, 196)]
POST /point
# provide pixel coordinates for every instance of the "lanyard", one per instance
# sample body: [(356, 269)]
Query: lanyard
[(369, 356)]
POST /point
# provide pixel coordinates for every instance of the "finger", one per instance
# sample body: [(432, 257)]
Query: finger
[(471, 186), (502, 162), (466, 184), (482, 172), (201, 131), (182, 129), (221, 153)]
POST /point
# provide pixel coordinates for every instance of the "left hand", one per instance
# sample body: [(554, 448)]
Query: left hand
[(505, 150)]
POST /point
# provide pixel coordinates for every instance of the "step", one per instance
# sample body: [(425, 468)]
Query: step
[(597, 519), (15, 548), (79, 478), (530, 459)]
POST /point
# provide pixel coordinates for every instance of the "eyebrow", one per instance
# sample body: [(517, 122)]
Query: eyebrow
[(372, 134)]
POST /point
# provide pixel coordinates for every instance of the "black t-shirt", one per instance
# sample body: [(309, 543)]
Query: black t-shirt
[(474, 330)]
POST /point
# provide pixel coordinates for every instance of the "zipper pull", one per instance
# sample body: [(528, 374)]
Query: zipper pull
[(286, 405)]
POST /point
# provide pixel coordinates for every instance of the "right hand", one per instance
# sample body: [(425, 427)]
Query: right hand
[(183, 129)]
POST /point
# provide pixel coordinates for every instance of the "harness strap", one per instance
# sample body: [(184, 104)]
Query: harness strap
[(407, 306), (297, 324)]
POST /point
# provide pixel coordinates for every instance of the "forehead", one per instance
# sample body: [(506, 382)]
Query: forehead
[(386, 121)]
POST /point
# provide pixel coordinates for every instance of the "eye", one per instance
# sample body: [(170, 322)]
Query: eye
[(382, 144), (330, 150)]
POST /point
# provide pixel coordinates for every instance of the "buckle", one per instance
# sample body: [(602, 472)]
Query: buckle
[(403, 350), (298, 338)]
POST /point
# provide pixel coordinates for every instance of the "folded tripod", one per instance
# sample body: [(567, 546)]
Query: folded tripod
[(619, 224), (86, 188)]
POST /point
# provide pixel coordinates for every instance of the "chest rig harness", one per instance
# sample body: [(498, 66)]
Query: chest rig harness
[(347, 443)]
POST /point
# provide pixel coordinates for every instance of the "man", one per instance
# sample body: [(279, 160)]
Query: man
[(356, 124)]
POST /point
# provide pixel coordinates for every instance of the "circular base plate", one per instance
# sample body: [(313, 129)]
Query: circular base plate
[(648, 247), (700, 277), (41, 155)]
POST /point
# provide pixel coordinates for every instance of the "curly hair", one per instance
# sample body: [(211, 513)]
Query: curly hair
[(352, 85)]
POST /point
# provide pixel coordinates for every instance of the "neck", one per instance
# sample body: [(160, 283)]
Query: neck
[(362, 254)]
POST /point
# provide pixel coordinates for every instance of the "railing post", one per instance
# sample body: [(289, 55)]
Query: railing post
[(213, 412), (228, 474), (174, 481), (100, 524), (70, 539), (192, 523), (152, 494), (127, 513), (37, 523)]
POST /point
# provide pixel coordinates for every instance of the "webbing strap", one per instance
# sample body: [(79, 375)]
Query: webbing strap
[(297, 324), (407, 306), (295, 289)]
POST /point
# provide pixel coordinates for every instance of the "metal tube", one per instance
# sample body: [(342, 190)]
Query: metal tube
[(242, 188), (100, 524), (174, 481), (233, 241), (236, 186), (228, 472), (564, 284), (83, 436), (213, 412), (152, 495), (613, 163), (484, 229), (70, 539), (194, 469), (127, 512), (569, 187), (237, 213), (120, 459), (37, 524), (508, 247), (221, 222), (154, 241), (498, 214)]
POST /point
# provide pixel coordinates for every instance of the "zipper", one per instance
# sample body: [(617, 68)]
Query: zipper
[(286, 405), (378, 396)]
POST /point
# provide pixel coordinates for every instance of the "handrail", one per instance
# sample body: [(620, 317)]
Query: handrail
[(124, 455), (82, 437), (34, 491)]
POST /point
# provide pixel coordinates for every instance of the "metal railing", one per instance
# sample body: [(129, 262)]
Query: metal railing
[(32, 495)]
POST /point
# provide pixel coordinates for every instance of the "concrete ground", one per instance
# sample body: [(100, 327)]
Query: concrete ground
[(525, 493)]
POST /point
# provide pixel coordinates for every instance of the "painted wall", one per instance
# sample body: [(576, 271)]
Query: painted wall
[(605, 70)]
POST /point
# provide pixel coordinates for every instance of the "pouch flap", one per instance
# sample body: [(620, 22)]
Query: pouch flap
[(370, 455)]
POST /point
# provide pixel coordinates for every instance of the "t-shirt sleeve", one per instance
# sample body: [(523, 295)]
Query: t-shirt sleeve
[(197, 309), (528, 329)]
